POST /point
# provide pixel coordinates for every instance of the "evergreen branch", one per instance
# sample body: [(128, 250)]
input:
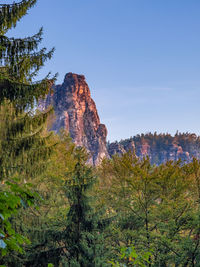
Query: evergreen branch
[(10, 5), (11, 13), (12, 48), (23, 94), (29, 66)]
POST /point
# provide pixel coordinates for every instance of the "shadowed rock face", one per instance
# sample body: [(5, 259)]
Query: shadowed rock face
[(76, 113), (160, 148)]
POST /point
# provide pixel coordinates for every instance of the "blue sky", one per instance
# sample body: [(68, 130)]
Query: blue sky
[(141, 58)]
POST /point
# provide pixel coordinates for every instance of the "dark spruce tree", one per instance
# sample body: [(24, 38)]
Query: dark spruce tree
[(23, 147), (83, 236)]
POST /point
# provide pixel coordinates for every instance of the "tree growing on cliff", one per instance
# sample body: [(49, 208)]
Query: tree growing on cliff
[(23, 148)]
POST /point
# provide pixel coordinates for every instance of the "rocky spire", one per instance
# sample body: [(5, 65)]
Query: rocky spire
[(76, 112)]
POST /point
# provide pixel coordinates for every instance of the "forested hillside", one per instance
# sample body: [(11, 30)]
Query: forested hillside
[(160, 148)]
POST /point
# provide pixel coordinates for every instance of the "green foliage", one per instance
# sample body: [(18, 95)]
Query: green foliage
[(24, 147), (129, 257), (42, 224), (12, 196), (21, 60), (156, 208), (65, 188), (84, 238), (152, 213), (11, 13)]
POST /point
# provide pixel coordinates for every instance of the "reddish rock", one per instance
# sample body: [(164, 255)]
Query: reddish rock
[(76, 112), (160, 148)]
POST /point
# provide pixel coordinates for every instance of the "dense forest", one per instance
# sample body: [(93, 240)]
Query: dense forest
[(56, 210)]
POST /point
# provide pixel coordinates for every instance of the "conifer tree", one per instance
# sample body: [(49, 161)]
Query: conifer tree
[(20, 63), (75, 237), (44, 225), (23, 148), (83, 236)]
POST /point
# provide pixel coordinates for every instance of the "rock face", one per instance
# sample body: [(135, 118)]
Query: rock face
[(160, 147), (76, 112)]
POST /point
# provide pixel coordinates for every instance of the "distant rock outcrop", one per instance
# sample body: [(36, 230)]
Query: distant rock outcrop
[(76, 112), (160, 147)]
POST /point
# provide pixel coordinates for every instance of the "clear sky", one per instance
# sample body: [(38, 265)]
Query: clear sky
[(141, 58)]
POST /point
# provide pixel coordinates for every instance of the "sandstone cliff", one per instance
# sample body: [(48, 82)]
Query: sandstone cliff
[(160, 147), (76, 112)]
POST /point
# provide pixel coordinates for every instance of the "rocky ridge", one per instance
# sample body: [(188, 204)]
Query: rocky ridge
[(160, 147), (76, 113)]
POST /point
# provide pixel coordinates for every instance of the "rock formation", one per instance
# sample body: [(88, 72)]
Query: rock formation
[(160, 147), (76, 112)]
